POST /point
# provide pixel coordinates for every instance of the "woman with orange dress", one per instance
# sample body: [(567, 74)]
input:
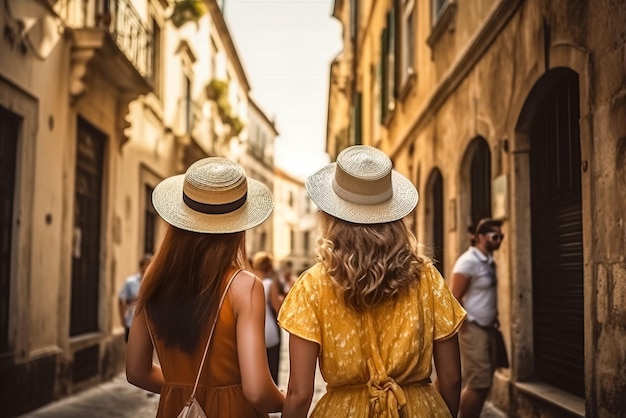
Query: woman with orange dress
[(201, 259)]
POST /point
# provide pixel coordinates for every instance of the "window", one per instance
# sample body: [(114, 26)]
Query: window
[(435, 217), (438, 7), (188, 103), (480, 175), (354, 20), (443, 18), (408, 40), (150, 222), (356, 128), (292, 239), (306, 238), (375, 107), (213, 59), (263, 142), (263, 240), (186, 107), (290, 200), (156, 58), (387, 60)]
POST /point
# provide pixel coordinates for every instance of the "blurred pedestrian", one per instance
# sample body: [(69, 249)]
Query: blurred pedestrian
[(208, 210), (474, 284), (263, 264), (128, 294), (372, 309), (286, 278)]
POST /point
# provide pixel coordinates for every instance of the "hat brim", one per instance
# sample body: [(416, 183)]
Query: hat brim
[(167, 199), (402, 202)]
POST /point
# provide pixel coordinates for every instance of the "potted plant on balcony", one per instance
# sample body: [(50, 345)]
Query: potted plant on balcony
[(223, 108), (236, 125), (186, 11), (216, 89)]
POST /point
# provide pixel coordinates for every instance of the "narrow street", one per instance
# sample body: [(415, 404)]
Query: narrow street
[(117, 398)]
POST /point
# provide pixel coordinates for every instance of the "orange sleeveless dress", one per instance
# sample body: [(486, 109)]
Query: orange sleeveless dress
[(219, 390)]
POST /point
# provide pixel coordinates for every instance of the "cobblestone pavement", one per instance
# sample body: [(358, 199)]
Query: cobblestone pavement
[(119, 399)]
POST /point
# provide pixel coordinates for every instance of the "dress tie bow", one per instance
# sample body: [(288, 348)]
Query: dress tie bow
[(386, 396)]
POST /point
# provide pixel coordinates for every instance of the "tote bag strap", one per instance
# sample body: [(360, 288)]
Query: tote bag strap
[(206, 349)]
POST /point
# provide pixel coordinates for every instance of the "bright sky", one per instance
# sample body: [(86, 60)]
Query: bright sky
[(286, 47)]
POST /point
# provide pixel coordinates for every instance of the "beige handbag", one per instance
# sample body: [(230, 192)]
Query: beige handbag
[(192, 408)]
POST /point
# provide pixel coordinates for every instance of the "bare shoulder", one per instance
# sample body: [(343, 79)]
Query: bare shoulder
[(245, 285), (245, 279)]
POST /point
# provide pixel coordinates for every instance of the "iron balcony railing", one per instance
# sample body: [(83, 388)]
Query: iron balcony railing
[(121, 20), (129, 33)]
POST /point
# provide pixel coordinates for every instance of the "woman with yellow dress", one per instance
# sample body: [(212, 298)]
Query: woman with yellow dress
[(372, 311)]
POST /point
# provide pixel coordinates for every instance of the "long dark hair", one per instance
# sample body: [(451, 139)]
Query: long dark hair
[(182, 287)]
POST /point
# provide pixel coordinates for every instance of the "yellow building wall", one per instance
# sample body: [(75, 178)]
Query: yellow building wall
[(474, 81)]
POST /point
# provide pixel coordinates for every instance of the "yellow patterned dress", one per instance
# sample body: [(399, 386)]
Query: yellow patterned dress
[(375, 364)]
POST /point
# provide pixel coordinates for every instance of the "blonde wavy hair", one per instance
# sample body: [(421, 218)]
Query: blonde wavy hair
[(369, 264)]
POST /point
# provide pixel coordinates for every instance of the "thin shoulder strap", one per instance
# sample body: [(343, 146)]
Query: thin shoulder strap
[(206, 349)]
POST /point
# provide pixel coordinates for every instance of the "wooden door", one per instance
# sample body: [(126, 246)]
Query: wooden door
[(9, 131), (557, 242), (87, 220)]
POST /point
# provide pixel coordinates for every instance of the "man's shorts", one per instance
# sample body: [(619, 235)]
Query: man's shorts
[(478, 356)]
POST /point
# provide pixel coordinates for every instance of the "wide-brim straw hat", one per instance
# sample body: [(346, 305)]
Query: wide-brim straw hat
[(213, 196), (362, 187)]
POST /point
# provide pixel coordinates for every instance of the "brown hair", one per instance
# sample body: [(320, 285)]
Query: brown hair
[(263, 262), (369, 263), (181, 290)]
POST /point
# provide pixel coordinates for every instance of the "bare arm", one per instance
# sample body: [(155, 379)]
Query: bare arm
[(448, 366), (249, 307), (460, 284), (140, 370), (302, 362)]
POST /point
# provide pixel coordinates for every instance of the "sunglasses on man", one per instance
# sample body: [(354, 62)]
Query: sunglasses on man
[(495, 236)]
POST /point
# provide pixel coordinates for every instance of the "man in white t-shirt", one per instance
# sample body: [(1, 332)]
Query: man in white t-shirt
[(128, 294), (474, 284)]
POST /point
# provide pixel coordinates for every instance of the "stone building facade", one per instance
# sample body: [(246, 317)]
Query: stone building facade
[(295, 231), (516, 110), (99, 101), (258, 159)]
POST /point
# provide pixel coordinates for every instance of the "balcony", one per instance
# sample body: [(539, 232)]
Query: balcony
[(109, 37)]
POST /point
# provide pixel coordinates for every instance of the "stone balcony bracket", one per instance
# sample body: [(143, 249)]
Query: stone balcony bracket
[(94, 52)]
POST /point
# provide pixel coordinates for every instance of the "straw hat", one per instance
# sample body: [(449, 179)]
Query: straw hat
[(361, 187), (213, 196)]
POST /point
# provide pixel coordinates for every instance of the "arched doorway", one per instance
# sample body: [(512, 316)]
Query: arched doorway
[(434, 217), (552, 113), (475, 184), (480, 180)]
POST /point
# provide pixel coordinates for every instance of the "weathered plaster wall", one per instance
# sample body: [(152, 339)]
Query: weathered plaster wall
[(463, 92), (607, 167)]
